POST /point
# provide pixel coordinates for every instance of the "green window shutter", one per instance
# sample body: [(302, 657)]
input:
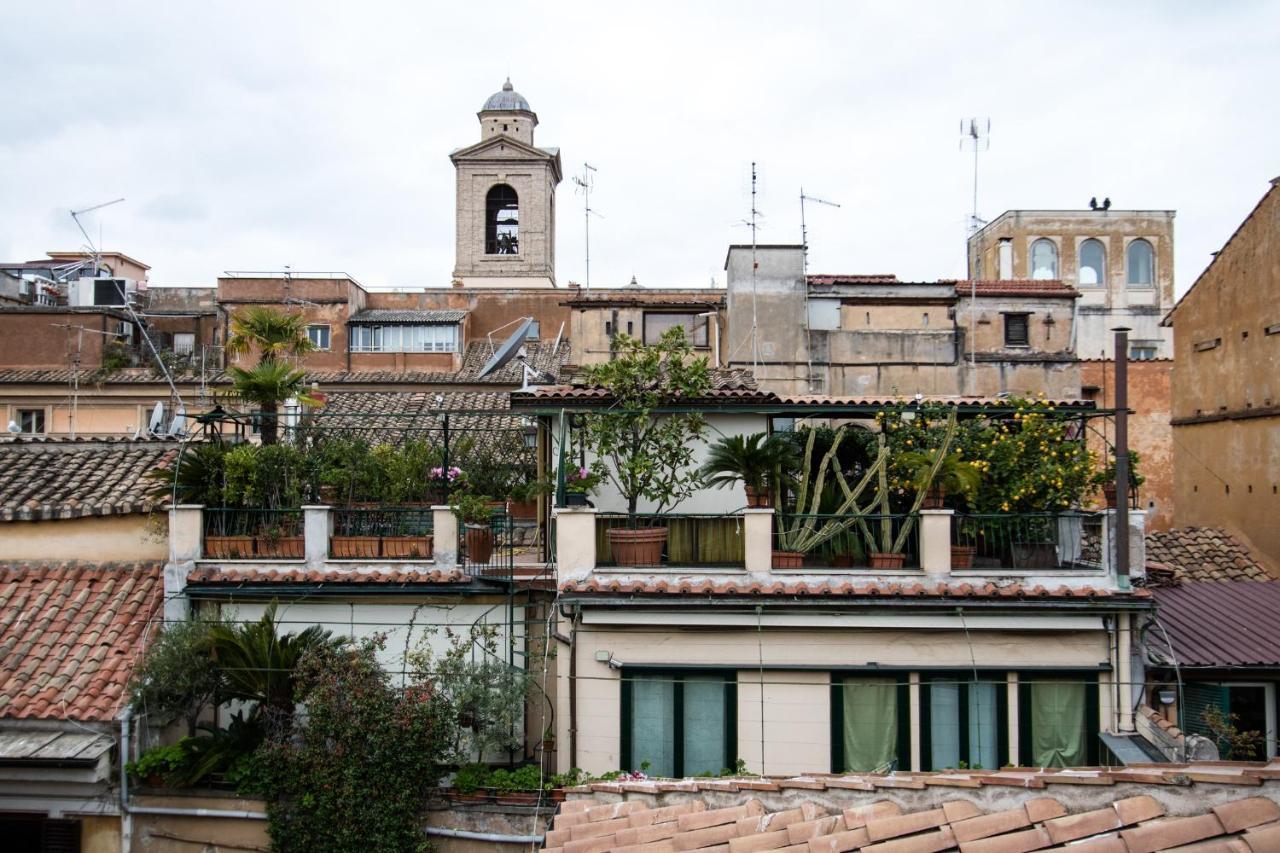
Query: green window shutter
[(1196, 699), (705, 732), (653, 724)]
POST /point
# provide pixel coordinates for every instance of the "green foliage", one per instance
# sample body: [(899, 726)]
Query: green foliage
[(160, 761), (953, 476), (1107, 474), (1233, 744), (471, 508), (473, 776), (195, 477), (273, 334), (216, 752), (266, 384), (177, 677), (268, 476), (648, 456), (757, 461), (352, 777)]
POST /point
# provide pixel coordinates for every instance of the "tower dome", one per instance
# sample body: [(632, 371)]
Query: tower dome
[(508, 100)]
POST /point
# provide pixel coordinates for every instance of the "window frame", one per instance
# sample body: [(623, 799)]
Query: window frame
[(1128, 250), (1000, 678), (692, 337), (1026, 319), (677, 674), (1031, 259), (903, 747), (328, 336), (391, 337), (1092, 719), (40, 412), (190, 348), (1102, 272), (493, 207)]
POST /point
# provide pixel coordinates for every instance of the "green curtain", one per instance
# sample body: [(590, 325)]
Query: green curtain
[(693, 541), (653, 724), (1058, 736), (704, 729), (870, 724)]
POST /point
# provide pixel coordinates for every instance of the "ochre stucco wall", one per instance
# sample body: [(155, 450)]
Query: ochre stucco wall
[(124, 538)]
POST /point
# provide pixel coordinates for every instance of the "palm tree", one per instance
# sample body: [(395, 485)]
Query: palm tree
[(265, 385), (273, 334), (755, 460), (258, 663)]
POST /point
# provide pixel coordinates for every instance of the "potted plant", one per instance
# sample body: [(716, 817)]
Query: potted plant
[(157, 765), (406, 535), (938, 479), (1106, 478), (644, 453), (475, 513), (280, 540), (753, 460), (578, 484)]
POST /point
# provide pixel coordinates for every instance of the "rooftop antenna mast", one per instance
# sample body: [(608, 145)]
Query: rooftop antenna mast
[(975, 135), (804, 249), (755, 266), (585, 184)]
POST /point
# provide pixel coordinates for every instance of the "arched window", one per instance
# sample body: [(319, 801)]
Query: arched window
[(1141, 262), (1044, 259), (502, 221), (1093, 262)]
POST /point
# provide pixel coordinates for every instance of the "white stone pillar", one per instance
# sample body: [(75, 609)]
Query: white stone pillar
[(1124, 670), (575, 541), (186, 540), (317, 527), (444, 532), (757, 539), (1137, 544), (935, 541)]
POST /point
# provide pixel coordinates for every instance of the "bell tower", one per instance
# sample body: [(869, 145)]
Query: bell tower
[(506, 196)]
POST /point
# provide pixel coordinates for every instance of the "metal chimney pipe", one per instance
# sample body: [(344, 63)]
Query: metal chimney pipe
[(1122, 456)]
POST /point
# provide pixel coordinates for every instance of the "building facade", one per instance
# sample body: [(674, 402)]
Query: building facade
[(1226, 385), (1121, 261)]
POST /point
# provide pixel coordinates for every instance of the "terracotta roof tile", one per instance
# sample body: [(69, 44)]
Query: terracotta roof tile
[(1201, 554), (219, 575), (48, 480), (1017, 287), (70, 636)]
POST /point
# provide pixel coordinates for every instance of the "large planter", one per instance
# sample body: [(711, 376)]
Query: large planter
[(575, 498), (757, 499), (354, 547), (1109, 493), (638, 547), (283, 548), (228, 547), (962, 556), (479, 544), (933, 498), (1034, 555), (788, 559), (524, 509), (882, 560), (406, 547)]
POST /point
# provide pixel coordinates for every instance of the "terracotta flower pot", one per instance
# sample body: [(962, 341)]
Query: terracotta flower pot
[(881, 560), (479, 544), (1109, 493), (638, 547), (284, 548), (758, 499), (228, 547), (406, 547), (933, 498), (962, 556), (788, 559), (354, 547)]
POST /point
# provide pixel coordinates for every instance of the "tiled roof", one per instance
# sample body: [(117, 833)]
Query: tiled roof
[(542, 356), (391, 416), (1201, 554), (42, 480), (386, 315), (916, 813), (884, 400), (69, 636), (831, 589), (853, 278), (1221, 624), (1018, 287), (658, 298), (248, 577)]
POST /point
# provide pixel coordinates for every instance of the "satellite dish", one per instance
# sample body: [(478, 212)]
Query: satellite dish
[(14, 428), (156, 423), (508, 350), (179, 424)]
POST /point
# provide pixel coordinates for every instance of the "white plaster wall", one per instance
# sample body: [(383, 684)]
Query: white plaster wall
[(797, 721)]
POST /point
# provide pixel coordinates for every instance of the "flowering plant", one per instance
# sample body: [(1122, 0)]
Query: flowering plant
[(452, 473), (581, 480)]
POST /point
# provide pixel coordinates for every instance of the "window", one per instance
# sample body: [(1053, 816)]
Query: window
[(184, 343), (409, 338), (1253, 706), (963, 722), (31, 421), (1058, 719), (695, 327), (1017, 330), (870, 728), (681, 724), (1044, 259), (1093, 262), (1141, 263), (109, 291), (502, 221), (319, 336), (1142, 352)]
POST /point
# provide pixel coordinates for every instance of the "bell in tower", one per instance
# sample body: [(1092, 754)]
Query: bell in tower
[(506, 199)]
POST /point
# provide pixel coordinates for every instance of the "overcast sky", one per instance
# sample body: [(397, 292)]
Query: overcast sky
[(253, 135)]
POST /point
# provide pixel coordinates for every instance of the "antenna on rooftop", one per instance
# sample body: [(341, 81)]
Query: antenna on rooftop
[(804, 231), (975, 135), (585, 183), (804, 265)]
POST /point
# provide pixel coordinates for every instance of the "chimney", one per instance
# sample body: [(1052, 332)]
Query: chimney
[(1005, 250)]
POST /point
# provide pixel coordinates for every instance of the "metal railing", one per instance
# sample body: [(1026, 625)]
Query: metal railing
[(818, 540), (246, 534), (488, 550), (691, 539), (388, 533), (1040, 540)]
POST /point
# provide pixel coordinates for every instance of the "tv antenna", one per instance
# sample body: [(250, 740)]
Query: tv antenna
[(804, 266), (585, 183), (804, 231), (755, 266), (975, 135)]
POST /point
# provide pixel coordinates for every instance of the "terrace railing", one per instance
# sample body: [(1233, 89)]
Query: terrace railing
[(692, 539), (388, 533), (826, 541), (247, 534), (1067, 540), (488, 549)]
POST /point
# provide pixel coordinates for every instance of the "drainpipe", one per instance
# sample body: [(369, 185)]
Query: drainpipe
[(573, 688), (1122, 457), (484, 836), (126, 819)]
